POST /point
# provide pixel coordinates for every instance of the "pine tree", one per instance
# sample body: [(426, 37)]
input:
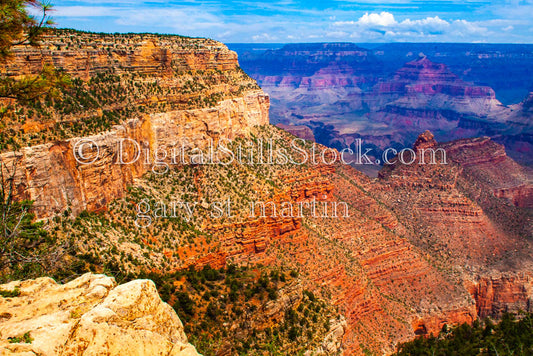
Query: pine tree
[(19, 27)]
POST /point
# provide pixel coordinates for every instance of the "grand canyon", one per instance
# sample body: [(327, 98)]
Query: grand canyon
[(424, 247), (388, 94)]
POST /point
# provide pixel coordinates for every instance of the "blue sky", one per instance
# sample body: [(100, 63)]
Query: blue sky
[(281, 21)]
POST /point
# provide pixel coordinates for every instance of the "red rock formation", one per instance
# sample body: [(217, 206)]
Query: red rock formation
[(458, 211), (426, 77), (426, 95), (491, 166), (495, 295), (424, 141)]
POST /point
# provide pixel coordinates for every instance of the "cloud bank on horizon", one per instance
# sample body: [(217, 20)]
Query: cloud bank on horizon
[(283, 21)]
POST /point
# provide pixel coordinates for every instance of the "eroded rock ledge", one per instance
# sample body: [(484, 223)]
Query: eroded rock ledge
[(90, 315)]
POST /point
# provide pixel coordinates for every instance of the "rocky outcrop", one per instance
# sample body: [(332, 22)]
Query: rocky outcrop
[(424, 141), (84, 54), (459, 214), (477, 172), (90, 315), (332, 343), (489, 163)]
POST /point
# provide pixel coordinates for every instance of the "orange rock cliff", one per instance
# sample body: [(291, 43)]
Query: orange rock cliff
[(52, 175)]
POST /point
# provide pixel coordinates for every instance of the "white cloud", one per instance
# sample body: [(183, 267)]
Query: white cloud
[(386, 19), (430, 24), (264, 37), (384, 26), (382, 19)]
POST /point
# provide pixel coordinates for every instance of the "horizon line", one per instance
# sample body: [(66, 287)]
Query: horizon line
[(284, 43)]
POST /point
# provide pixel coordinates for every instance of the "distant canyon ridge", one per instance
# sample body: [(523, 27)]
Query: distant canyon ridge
[(386, 95)]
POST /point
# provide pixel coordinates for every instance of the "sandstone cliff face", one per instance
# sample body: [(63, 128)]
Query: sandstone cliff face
[(116, 77), (181, 75), (87, 54), (90, 315), (502, 293), (54, 176)]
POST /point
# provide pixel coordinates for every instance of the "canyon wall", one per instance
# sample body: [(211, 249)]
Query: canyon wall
[(56, 178), (464, 220), (401, 264), (176, 69), (86, 54), (498, 294), (388, 95)]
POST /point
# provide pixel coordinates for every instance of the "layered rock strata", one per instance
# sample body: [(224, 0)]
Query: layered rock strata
[(56, 176)]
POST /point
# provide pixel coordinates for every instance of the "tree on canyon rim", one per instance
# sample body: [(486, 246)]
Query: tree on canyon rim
[(19, 235), (19, 27)]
